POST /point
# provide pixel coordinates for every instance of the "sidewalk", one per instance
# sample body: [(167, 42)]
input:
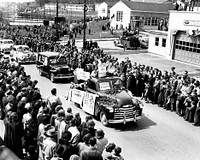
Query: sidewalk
[(157, 61)]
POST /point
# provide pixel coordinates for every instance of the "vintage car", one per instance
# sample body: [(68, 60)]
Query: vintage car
[(22, 54), (54, 66), (106, 99), (6, 45)]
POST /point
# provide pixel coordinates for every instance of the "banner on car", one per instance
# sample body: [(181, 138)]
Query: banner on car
[(102, 70), (81, 74), (77, 96), (85, 99)]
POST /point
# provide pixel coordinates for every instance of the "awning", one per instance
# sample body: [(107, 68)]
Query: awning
[(150, 14)]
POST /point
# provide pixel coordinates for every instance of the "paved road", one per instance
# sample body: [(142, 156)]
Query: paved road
[(160, 135)]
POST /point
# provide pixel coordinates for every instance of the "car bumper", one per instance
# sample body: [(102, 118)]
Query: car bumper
[(125, 120), (26, 61), (64, 76)]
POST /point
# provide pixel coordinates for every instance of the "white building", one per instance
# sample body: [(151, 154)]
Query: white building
[(157, 42), (103, 9), (182, 41), (124, 14), (184, 37)]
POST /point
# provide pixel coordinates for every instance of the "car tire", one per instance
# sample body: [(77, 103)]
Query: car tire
[(104, 119), (52, 77)]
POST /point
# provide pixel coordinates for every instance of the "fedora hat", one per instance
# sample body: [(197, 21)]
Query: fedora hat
[(51, 132), (99, 133)]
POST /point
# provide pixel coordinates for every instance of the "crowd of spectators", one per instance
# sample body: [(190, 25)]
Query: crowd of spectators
[(184, 5), (40, 128)]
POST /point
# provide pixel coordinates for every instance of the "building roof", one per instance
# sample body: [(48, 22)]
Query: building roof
[(154, 1), (110, 4), (148, 7), (157, 32)]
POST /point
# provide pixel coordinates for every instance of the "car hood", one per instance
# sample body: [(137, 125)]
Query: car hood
[(123, 98), (60, 66)]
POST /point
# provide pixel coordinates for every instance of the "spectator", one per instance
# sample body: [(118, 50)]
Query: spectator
[(107, 153), (83, 145), (117, 152), (102, 141), (53, 98), (49, 143), (92, 152)]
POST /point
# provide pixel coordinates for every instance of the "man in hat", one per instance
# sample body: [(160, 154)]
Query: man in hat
[(49, 144), (102, 141)]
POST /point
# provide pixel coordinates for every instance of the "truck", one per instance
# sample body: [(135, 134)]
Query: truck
[(128, 40), (105, 99)]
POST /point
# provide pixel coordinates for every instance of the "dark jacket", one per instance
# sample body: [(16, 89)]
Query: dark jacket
[(91, 154)]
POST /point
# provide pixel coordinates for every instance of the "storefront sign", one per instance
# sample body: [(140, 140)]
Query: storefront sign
[(89, 102), (191, 23)]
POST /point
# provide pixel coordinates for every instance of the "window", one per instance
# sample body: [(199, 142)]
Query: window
[(156, 41), (163, 42), (103, 10), (119, 16), (151, 21)]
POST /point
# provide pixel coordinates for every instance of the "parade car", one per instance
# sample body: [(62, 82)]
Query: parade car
[(106, 99), (54, 66), (22, 54), (6, 45)]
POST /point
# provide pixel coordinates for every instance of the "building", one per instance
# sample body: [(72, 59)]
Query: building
[(69, 7), (157, 42), (125, 13), (103, 9), (183, 42)]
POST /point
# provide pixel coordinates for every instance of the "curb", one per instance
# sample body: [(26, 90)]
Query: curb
[(102, 39)]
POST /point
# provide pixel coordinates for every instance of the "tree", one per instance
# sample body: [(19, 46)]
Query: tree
[(41, 2)]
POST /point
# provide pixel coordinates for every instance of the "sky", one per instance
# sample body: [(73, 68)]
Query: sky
[(17, 1)]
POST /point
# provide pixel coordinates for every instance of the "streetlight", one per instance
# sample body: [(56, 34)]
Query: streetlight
[(84, 23), (57, 20)]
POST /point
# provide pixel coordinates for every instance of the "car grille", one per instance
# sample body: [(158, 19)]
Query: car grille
[(7, 49), (124, 111), (64, 70)]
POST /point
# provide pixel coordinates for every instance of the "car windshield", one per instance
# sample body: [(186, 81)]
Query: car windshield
[(58, 60)]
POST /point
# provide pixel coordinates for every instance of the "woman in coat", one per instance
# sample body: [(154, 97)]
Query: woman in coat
[(197, 113), (14, 134)]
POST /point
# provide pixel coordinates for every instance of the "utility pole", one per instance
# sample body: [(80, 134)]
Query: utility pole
[(84, 24), (56, 20)]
